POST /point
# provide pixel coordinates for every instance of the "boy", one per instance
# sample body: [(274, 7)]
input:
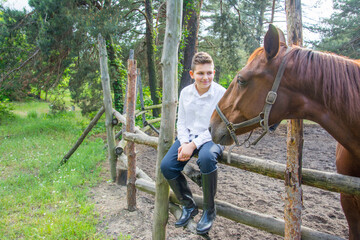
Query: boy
[(196, 105)]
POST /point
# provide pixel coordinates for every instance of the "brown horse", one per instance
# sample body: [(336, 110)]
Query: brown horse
[(321, 87)]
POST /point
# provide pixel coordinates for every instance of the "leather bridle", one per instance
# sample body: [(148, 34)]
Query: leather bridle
[(263, 117)]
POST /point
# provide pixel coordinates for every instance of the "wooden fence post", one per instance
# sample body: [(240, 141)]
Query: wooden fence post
[(130, 127), (105, 80), (169, 61), (141, 96), (293, 199)]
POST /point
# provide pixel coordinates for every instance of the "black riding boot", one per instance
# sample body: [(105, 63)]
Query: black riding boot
[(209, 182), (182, 191)]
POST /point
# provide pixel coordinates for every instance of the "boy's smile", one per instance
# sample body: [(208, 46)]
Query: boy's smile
[(203, 75)]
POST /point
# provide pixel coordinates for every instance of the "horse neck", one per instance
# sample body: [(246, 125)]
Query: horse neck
[(313, 102)]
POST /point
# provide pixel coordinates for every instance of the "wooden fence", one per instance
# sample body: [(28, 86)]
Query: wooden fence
[(324, 180)]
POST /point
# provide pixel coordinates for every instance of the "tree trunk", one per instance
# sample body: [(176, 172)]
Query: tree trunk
[(293, 199), (191, 20), (217, 74), (260, 25), (169, 63), (153, 83), (115, 73)]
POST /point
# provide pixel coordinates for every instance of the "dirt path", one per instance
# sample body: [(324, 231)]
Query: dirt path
[(322, 210)]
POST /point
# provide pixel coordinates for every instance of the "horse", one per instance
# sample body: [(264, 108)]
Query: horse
[(289, 82)]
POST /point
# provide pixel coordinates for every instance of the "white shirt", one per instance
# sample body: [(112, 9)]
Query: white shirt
[(195, 111)]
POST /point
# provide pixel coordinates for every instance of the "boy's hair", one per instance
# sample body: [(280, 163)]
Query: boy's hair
[(201, 58)]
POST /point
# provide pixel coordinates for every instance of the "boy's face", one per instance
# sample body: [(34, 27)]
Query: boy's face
[(203, 75)]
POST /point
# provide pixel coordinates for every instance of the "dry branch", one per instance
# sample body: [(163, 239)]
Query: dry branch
[(154, 120), (146, 140), (146, 109), (122, 119), (83, 135), (22, 65)]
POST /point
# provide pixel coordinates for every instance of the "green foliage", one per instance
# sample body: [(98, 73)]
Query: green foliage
[(57, 103), (5, 111), (39, 200), (58, 40), (235, 31), (16, 45), (226, 80), (147, 102), (341, 31), (86, 92)]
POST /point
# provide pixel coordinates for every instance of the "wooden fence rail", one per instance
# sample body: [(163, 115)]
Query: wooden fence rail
[(325, 180), (261, 221)]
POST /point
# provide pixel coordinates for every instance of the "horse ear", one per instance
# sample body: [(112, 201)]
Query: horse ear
[(281, 35), (271, 42)]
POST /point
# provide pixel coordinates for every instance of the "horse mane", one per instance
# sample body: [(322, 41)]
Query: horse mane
[(257, 52), (334, 79)]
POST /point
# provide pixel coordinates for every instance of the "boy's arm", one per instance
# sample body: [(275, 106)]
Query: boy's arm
[(182, 132), (202, 138)]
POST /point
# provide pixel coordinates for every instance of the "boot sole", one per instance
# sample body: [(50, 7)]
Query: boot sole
[(192, 215), (203, 233), (206, 231)]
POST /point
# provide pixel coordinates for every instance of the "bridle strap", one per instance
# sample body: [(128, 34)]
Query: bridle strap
[(263, 117), (272, 94)]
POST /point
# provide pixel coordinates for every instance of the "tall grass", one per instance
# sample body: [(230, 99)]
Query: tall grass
[(39, 199)]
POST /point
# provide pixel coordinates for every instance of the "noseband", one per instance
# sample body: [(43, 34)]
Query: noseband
[(263, 117)]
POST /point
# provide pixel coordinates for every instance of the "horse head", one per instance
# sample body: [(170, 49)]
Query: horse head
[(248, 93)]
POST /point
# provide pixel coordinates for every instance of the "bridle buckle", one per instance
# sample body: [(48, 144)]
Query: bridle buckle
[(230, 127), (271, 97)]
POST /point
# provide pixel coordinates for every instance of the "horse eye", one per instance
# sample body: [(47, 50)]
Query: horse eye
[(242, 82)]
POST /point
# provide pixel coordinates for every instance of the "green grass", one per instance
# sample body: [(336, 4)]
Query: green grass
[(39, 199), (23, 108)]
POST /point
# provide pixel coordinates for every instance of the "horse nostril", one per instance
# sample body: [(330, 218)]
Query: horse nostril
[(209, 129)]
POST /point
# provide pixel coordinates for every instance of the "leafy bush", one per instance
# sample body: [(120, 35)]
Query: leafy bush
[(5, 110), (57, 105)]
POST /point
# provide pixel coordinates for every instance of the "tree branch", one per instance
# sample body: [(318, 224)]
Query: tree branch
[(22, 20), (157, 21), (136, 9), (21, 66)]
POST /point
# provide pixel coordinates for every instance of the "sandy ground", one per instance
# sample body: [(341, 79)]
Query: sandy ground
[(322, 210)]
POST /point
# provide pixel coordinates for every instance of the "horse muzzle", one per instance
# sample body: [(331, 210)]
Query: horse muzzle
[(220, 134)]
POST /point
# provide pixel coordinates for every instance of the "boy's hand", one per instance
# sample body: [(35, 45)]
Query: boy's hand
[(185, 151)]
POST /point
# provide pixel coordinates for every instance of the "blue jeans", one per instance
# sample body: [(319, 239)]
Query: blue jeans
[(207, 159)]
